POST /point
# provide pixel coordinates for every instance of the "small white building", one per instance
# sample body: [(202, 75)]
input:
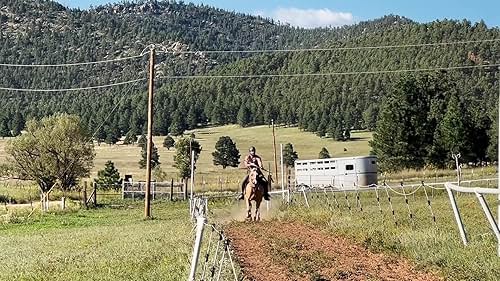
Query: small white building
[(343, 172)]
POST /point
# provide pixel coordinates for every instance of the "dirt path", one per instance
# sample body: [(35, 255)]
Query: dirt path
[(272, 251)]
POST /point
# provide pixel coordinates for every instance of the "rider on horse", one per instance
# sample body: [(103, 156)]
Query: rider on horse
[(253, 160)]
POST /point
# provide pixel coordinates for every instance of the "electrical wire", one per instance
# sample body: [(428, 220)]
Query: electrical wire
[(327, 74), (331, 49), (71, 64), (165, 50), (72, 89)]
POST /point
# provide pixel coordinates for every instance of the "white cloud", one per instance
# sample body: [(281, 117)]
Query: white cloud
[(311, 18)]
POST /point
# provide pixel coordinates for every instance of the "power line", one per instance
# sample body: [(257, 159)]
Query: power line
[(328, 74), (258, 51), (335, 49), (293, 75), (91, 139), (71, 64), (120, 99), (72, 89)]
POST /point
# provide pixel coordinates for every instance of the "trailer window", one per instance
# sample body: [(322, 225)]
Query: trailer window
[(320, 168), (349, 167), (326, 162), (333, 168), (327, 168), (320, 162), (373, 162)]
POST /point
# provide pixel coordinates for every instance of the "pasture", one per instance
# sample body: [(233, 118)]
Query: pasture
[(213, 178), (114, 242), (111, 243)]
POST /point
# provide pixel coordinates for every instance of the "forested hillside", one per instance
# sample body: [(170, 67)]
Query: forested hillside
[(345, 87)]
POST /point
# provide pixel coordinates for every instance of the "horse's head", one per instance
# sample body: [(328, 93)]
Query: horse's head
[(254, 173)]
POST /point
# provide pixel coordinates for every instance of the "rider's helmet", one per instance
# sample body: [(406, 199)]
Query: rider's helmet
[(251, 150)]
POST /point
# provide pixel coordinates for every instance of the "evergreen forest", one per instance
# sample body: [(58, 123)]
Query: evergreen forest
[(425, 89)]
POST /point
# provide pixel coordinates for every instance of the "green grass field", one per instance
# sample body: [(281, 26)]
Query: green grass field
[(115, 243), (100, 244)]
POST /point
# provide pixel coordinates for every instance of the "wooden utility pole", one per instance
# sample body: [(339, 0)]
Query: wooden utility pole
[(147, 200), (498, 156), (274, 146)]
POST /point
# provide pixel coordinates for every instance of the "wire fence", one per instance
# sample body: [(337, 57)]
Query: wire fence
[(380, 197), (214, 247)]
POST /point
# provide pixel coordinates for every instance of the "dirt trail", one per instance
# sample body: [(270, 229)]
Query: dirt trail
[(272, 251)]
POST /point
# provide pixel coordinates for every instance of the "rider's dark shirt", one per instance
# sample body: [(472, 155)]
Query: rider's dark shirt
[(255, 159)]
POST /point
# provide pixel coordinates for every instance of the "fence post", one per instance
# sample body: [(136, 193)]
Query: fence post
[(458, 217), (95, 195), (85, 195), (123, 189), (184, 194), (199, 209), (172, 190), (154, 189), (63, 202), (220, 184)]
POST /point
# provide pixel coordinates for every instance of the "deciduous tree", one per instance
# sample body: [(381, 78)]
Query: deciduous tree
[(54, 148)]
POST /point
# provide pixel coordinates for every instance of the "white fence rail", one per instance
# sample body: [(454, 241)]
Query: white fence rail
[(479, 192)]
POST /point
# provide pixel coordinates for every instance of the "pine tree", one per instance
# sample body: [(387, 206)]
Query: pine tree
[(142, 141), (347, 134), (323, 154), (339, 133), (100, 135), (289, 155), (4, 128), (155, 157), (452, 130), (492, 150), (130, 138), (178, 125), (112, 136), (182, 157), (168, 142), (243, 117), (192, 120), (109, 177), (370, 117), (17, 124), (405, 129), (226, 154)]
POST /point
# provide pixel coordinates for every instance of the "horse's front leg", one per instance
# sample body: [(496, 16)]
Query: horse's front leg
[(249, 209), (257, 211)]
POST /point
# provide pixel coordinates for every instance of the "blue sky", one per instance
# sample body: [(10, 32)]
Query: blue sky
[(311, 13)]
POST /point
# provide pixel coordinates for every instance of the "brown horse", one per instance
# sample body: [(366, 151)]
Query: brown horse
[(254, 191)]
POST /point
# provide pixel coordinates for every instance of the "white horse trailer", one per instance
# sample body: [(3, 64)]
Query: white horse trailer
[(344, 172)]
